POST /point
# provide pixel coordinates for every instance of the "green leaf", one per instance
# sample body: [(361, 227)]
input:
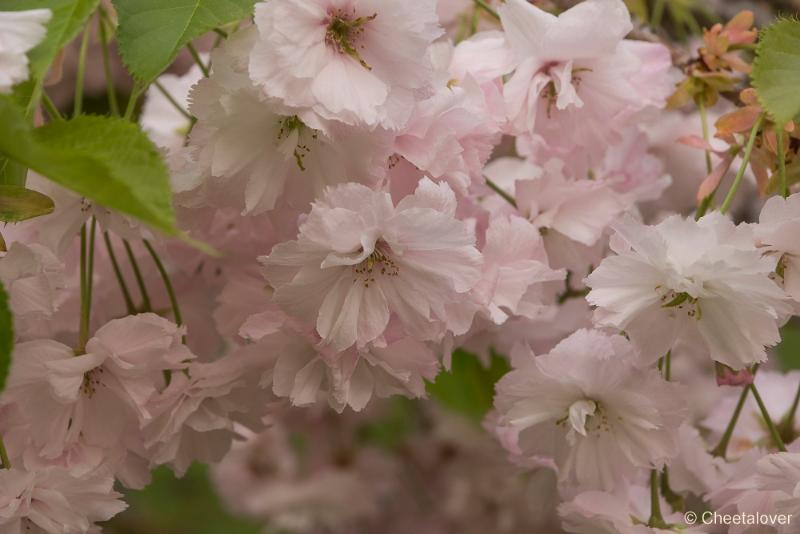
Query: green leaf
[(19, 204), (788, 350), (776, 71), (12, 173), (638, 8), (152, 32), (393, 428), (469, 386), (69, 16), (105, 159), (188, 504), (6, 337)]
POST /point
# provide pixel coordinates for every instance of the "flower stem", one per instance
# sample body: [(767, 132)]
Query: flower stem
[(5, 462), (78, 106), (776, 437), (486, 7), (665, 366), (196, 56), (36, 97), (172, 100), (90, 270), (138, 274), (787, 424), (110, 90), (701, 106), (722, 447), (51, 108), (706, 202), (658, 13), (656, 519), (118, 273), (726, 204), (176, 310), (83, 328), (497, 189), (87, 276), (780, 134), (138, 89)]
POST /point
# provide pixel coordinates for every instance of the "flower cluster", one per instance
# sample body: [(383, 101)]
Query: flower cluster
[(387, 194)]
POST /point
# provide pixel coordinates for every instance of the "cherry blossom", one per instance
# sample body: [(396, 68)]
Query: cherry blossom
[(577, 83), (359, 260), (362, 61), (586, 407), (693, 278)]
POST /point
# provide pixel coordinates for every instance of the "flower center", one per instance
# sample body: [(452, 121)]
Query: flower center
[(378, 262), (345, 32), (551, 90), (91, 380), (585, 417), (680, 301), (290, 139)]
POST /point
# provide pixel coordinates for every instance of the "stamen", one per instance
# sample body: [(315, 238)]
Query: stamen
[(344, 32), (378, 262), (91, 380), (301, 150)]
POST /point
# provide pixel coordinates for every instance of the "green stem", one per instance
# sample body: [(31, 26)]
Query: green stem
[(701, 106), (118, 273), (110, 90), (79, 79), (780, 135), (83, 329), (787, 425), (172, 100), (776, 437), (173, 300), (138, 89), (196, 56), (138, 274), (722, 447), (90, 272), (486, 7), (656, 519), (726, 204), (6, 463), (36, 97), (658, 13), (51, 108), (496, 188)]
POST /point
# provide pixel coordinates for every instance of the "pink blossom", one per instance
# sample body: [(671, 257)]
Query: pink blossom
[(34, 279), (191, 418), (359, 260), (54, 501), (587, 407), (577, 83), (304, 372), (355, 61), (776, 232), (692, 277), (96, 397), (516, 272), (450, 136), (255, 155)]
